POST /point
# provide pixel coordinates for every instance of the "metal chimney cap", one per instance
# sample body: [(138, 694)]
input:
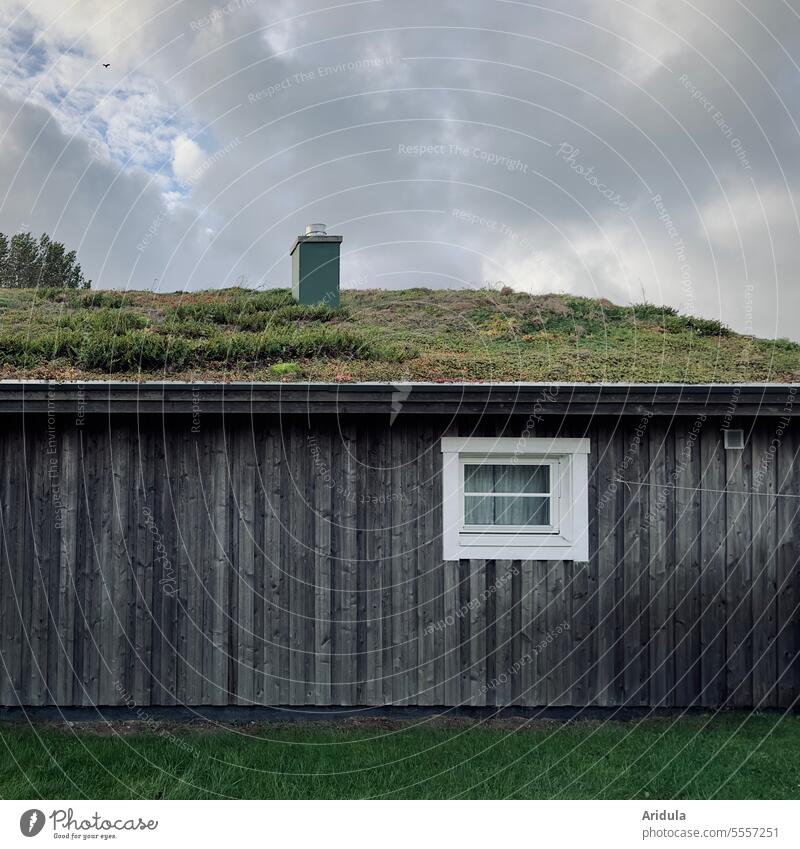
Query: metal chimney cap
[(315, 236)]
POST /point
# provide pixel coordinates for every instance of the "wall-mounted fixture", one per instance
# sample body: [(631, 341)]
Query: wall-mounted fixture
[(734, 440)]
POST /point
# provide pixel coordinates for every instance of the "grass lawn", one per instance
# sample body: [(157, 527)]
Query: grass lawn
[(735, 755), (408, 335)]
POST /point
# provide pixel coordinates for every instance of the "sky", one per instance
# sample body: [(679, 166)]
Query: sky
[(627, 151)]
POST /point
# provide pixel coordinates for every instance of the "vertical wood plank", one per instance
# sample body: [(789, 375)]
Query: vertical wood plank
[(92, 462), (504, 661), (295, 561), (274, 638), (541, 663), (259, 440), (398, 513), (162, 557), (688, 530), (244, 566), (493, 669), (45, 498), (67, 563), (712, 604), (764, 568), (409, 575), (231, 576), (477, 633), (154, 640), (222, 564), (27, 575), (283, 505), (13, 548), (617, 689), (526, 645), (139, 581), (632, 490), (6, 584), (430, 495), (346, 599), (452, 617), (59, 502), (427, 568), (122, 484), (360, 494), (309, 536), (384, 565), (321, 452), (557, 636), (661, 660), (606, 559), (103, 520), (579, 632), (788, 580), (197, 531), (376, 498), (738, 584), (197, 539), (76, 695), (45, 476)]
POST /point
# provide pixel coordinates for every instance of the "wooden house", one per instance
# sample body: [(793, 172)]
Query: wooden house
[(417, 544)]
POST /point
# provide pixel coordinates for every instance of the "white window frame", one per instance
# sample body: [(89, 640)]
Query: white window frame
[(566, 538)]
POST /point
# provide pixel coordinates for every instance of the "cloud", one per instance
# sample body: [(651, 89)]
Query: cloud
[(187, 158)]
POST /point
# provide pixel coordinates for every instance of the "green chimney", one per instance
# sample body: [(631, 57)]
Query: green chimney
[(315, 267)]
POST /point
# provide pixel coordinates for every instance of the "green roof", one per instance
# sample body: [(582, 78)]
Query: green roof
[(376, 335)]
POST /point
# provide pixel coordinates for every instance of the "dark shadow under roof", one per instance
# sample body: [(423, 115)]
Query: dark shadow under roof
[(400, 399)]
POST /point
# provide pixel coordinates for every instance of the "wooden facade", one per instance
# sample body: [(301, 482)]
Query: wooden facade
[(281, 558)]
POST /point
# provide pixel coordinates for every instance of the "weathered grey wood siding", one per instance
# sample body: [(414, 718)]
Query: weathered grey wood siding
[(292, 561)]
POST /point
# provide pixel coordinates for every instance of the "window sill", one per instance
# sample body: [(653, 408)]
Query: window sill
[(520, 547)]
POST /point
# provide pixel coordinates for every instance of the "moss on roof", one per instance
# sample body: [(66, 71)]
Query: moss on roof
[(408, 335)]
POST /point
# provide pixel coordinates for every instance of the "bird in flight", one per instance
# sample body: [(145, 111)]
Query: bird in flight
[(106, 64)]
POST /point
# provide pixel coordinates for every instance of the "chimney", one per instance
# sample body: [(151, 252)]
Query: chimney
[(315, 267)]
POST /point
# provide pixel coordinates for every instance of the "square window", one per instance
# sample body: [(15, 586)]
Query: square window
[(515, 499)]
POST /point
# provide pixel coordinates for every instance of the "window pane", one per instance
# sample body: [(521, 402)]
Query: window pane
[(506, 478), (522, 478), (478, 478), (479, 510), (506, 510)]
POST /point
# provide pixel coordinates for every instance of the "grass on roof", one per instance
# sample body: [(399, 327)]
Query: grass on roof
[(406, 335)]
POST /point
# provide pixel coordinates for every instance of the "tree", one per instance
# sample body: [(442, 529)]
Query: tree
[(24, 261), (4, 270), (26, 264)]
